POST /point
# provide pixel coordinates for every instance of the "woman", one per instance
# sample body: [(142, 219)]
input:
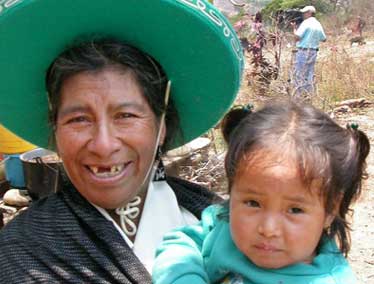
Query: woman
[(112, 110)]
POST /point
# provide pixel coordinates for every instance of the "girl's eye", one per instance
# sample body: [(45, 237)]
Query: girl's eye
[(253, 203), (295, 210)]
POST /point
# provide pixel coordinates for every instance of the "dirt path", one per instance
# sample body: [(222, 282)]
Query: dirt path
[(361, 256)]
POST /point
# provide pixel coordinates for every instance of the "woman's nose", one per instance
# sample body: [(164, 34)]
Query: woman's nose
[(104, 141), (270, 225)]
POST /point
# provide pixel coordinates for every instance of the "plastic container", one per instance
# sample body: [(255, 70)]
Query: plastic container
[(41, 176), (14, 170)]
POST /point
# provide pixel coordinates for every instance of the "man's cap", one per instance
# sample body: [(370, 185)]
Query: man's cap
[(192, 40), (308, 9)]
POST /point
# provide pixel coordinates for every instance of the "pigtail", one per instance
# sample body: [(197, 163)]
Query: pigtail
[(355, 171), (232, 119), (360, 148), (363, 149)]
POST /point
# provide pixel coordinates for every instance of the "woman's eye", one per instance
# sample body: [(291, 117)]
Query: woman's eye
[(124, 115), (77, 119), (253, 203), (295, 210)]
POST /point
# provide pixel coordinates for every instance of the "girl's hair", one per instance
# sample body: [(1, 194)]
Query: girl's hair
[(96, 55), (322, 150)]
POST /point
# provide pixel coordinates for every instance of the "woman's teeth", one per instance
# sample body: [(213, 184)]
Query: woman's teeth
[(105, 172)]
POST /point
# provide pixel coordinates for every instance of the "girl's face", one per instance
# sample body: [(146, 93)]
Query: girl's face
[(106, 135), (275, 219)]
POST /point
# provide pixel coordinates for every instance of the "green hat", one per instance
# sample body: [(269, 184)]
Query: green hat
[(193, 42)]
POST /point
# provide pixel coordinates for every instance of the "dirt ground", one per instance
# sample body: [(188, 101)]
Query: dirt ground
[(361, 256)]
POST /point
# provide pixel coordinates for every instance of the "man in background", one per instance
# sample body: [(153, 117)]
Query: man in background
[(308, 35)]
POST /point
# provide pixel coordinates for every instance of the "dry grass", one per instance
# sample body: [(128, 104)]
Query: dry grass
[(345, 72), (342, 72)]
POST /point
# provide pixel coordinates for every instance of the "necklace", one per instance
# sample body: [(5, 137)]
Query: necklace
[(127, 213)]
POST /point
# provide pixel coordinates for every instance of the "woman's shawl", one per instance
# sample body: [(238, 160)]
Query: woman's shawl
[(64, 239)]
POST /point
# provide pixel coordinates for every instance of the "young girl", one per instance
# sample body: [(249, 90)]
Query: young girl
[(293, 174)]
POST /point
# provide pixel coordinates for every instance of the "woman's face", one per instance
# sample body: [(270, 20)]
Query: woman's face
[(275, 219), (106, 135)]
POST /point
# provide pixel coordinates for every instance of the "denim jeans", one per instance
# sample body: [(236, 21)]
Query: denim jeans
[(304, 71)]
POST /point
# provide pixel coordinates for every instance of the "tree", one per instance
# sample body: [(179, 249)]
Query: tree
[(322, 6)]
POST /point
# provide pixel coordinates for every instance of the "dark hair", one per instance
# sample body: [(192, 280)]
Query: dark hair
[(258, 17), (98, 54), (322, 149)]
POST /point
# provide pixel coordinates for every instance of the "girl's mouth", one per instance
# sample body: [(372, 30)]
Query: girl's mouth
[(267, 247)]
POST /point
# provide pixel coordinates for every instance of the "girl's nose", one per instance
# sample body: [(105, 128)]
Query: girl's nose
[(270, 226), (104, 141)]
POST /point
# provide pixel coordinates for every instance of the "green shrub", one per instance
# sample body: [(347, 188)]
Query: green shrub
[(322, 6)]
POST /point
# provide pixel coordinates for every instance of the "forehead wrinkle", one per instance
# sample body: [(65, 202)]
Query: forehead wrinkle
[(128, 105), (73, 109)]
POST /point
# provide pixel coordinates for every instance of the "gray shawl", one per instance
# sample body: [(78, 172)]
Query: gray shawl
[(64, 239)]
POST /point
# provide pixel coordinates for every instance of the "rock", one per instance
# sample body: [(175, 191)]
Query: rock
[(7, 209), (189, 148), (188, 155), (343, 109), (16, 197), (353, 103)]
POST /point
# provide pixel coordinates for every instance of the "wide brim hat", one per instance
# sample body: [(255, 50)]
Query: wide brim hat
[(192, 40)]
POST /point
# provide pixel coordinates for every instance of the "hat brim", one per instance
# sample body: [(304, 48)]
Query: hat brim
[(192, 41)]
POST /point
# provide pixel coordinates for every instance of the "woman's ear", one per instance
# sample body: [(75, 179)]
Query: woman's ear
[(162, 134)]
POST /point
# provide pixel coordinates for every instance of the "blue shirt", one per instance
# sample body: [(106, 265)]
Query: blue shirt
[(205, 253), (310, 33)]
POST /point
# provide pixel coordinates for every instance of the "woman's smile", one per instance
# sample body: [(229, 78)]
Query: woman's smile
[(106, 135), (110, 173)]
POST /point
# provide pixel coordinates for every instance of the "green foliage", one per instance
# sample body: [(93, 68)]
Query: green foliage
[(286, 4), (237, 17), (322, 6)]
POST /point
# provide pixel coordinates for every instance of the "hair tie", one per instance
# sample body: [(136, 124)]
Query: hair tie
[(352, 125), (248, 107)]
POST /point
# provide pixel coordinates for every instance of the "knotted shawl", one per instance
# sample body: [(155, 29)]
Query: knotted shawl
[(64, 239)]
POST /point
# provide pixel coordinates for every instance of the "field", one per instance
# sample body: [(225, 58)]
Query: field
[(343, 72)]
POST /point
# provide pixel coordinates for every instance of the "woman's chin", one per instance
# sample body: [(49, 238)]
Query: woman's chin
[(109, 201), (111, 196)]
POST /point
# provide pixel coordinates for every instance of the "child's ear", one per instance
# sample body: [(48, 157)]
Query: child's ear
[(335, 212), (328, 220)]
